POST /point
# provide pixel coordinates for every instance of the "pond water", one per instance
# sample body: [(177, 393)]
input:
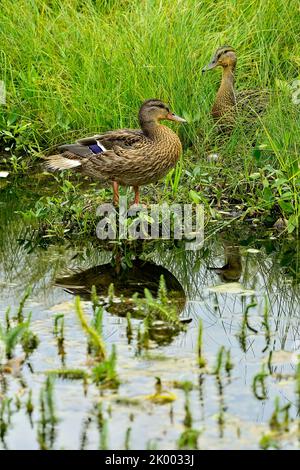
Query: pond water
[(250, 308)]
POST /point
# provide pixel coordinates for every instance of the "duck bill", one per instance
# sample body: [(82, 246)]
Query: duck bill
[(210, 66), (174, 117)]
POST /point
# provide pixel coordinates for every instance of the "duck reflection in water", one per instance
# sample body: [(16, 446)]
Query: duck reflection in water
[(232, 269), (127, 282)]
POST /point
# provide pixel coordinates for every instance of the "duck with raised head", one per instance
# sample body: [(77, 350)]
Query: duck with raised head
[(229, 103), (127, 157)]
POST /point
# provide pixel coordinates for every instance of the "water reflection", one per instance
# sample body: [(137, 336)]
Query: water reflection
[(126, 282), (265, 274), (140, 275), (232, 269)]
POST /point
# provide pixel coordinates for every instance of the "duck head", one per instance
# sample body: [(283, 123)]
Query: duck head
[(154, 110), (224, 56)]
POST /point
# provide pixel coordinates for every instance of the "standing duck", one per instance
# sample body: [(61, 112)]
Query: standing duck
[(126, 157), (229, 103)]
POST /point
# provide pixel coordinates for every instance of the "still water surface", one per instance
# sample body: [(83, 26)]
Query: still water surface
[(256, 270)]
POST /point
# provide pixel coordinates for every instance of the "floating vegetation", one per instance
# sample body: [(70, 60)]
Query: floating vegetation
[(161, 395), (259, 384)]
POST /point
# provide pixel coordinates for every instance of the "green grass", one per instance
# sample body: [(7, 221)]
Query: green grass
[(77, 67)]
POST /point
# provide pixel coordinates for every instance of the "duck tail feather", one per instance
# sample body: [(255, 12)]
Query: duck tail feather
[(58, 162)]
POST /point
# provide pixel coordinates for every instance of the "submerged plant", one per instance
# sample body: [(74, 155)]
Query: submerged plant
[(201, 359), (189, 438), (105, 373), (19, 315), (17, 332), (279, 424), (228, 363), (297, 380), (160, 308), (127, 439), (5, 417), (46, 431), (129, 331), (102, 425), (266, 325), (30, 407), (10, 338), (29, 340), (242, 336), (70, 374), (259, 386), (219, 362), (59, 332)]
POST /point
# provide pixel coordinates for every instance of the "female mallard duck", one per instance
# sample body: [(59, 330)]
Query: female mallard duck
[(229, 103), (127, 157)]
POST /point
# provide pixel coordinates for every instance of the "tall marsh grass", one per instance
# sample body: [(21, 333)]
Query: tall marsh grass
[(86, 65)]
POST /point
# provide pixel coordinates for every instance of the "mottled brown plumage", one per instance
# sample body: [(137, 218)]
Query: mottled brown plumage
[(229, 104), (128, 157)]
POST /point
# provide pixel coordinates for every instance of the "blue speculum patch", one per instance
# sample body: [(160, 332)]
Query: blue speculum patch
[(95, 148)]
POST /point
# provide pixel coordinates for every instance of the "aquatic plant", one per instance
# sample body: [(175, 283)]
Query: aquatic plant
[(5, 417), (160, 308), (201, 359), (259, 387), (104, 373), (17, 331), (46, 430), (189, 437), (93, 335)]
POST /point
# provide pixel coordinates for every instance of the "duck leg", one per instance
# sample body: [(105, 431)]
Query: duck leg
[(116, 193), (136, 195)]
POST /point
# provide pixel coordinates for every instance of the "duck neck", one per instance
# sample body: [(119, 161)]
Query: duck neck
[(226, 90), (150, 128)]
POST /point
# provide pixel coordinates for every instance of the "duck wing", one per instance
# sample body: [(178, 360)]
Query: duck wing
[(123, 138), (252, 102), (102, 155)]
